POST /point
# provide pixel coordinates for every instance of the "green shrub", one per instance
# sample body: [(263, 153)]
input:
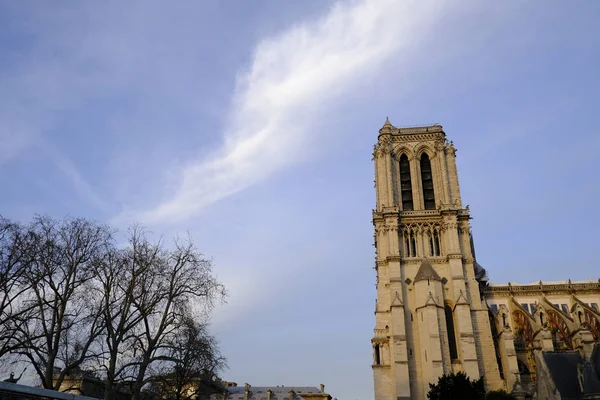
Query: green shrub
[(499, 395), (456, 386)]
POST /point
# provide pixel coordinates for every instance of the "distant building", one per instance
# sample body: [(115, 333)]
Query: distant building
[(86, 383), (248, 392), (435, 311)]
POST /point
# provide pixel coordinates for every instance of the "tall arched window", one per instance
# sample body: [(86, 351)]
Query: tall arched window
[(450, 329), (427, 181), (405, 184), (431, 245), (434, 243)]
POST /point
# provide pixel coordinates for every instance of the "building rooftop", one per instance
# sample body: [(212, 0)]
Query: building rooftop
[(409, 130), (277, 392), (538, 283)]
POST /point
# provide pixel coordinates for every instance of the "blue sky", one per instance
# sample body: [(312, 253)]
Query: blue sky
[(251, 125)]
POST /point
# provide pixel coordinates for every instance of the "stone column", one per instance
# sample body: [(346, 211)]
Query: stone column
[(466, 337), (430, 334), (390, 201), (415, 177), (400, 352), (381, 158), (545, 339), (451, 157), (487, 351), (441, 156), (451, 236), (508, 356)]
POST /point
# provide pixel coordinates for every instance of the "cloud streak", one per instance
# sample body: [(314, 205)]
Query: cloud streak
[(291, 79)]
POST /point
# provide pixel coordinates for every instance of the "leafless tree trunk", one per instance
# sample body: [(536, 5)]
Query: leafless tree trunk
[(11, 282)]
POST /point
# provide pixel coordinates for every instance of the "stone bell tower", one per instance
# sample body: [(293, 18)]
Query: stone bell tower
[(429, 316)]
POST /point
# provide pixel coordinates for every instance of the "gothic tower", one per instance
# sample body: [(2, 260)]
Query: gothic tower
[(429, 316)]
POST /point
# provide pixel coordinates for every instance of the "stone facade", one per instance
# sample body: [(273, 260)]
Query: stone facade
[(435, 312)]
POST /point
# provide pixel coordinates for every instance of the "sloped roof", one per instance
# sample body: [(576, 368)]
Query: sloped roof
[(563, 369), (426, 271), (563, 366)]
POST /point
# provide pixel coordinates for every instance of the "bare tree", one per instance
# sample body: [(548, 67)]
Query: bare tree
[(70, 301), (61, 321), (121, 280), (191, 363), (184, 276), (148, 292)]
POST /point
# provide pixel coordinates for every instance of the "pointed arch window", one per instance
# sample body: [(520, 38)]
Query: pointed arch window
[(427, 181), (434, 243), (410, 243), (450, 329), (405, 184)]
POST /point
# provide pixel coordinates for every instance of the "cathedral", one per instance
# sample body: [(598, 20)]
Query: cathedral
[(436, 313)]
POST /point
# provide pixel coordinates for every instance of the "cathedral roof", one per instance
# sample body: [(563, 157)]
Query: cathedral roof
[(426, 271), (567, 367)]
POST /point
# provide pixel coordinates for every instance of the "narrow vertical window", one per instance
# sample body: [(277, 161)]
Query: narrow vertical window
[(427, 181), (436, 243), (406, 245), (431, 245), (405, 184), (377, 355), (450, 329), (413, 245)]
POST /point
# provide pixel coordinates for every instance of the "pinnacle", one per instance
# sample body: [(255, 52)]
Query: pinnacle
[(397, 302), (431, 300), (387, 128)]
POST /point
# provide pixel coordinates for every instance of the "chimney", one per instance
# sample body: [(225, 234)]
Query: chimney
[(269, 394), (248, 393), (292, 393), (322, 388)]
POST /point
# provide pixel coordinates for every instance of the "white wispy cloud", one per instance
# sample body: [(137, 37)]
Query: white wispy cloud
[(72, 173), (292, 77)]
